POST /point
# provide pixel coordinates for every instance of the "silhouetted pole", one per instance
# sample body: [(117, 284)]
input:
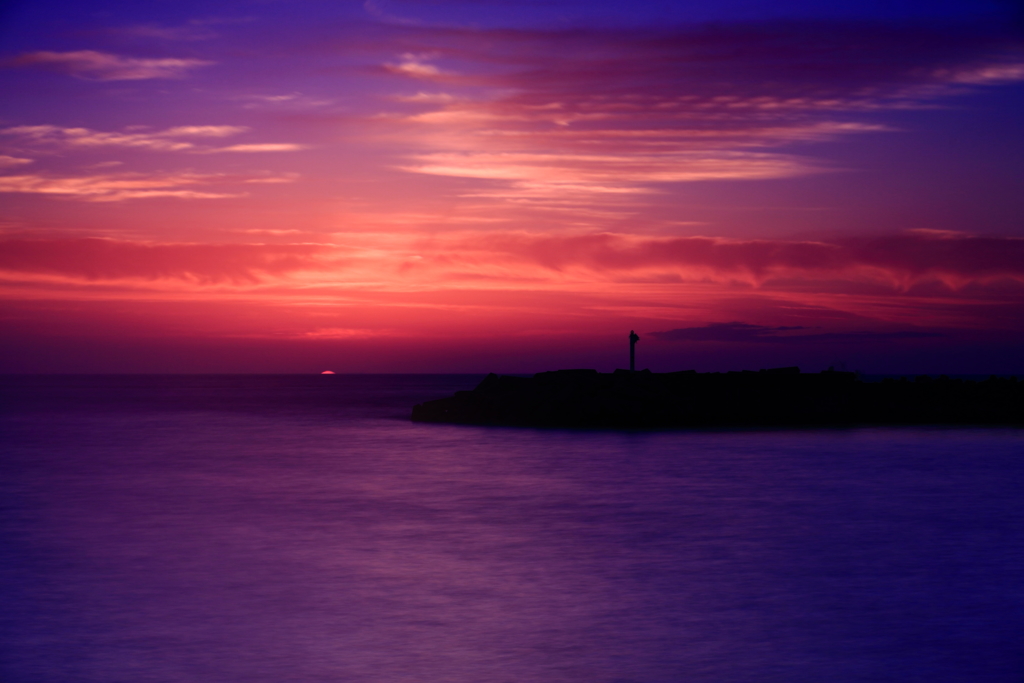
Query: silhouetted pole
[(633, 339)]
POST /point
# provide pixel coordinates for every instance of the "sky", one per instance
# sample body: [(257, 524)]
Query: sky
[(446, 186)]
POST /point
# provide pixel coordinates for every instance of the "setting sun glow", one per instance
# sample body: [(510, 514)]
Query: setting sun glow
[(446, 187)]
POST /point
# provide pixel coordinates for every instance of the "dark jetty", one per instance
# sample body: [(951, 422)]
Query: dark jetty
[(778, 397)]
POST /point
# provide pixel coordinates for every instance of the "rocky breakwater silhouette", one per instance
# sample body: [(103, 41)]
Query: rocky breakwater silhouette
[(776, 397)]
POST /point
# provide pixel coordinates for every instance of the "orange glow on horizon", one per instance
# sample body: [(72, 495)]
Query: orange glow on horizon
[(492, 187)]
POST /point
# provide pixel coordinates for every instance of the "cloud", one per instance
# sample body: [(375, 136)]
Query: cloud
[(377, 9), (202, 131), (984, 74), (191, 32), (570, 281), (738, 332), (274, 99), (347, 333), (427, 98), (723, 332), (597, 112), (534, 173), (116, 187), (898, 261), (169, 140), (292, 101), (103, 259), (262, 147), (102, 66), (10, 162), (415, 66), (805, 63), (938, 265), (164, 141)]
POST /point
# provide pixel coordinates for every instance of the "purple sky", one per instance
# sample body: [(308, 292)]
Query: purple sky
[(471, 186)]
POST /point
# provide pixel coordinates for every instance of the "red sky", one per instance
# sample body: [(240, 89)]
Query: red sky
[(509, 186)]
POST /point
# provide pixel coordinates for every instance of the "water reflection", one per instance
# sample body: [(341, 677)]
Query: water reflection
[(185, 542)]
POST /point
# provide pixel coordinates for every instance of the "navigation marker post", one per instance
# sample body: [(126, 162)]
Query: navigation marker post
[(633, 339)]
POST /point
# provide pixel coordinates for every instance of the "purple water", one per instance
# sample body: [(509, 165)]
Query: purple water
[(277, 528)]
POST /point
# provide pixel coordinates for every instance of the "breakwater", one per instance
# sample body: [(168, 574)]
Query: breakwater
[(777, 397)]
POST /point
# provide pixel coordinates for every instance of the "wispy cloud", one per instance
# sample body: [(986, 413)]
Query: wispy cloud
[(175, 139), (747, 333), (810, 293), (724, 332), (593, 111), (7, 161), (102, 66), (348, 333), (378, 10), (983, 74), (416, 66), (538, 174), (262, 147), (124, 186), (897, 261), (202, 131), (427, 98), (104, 259), (164, 141), (293, 101), (191, 32)]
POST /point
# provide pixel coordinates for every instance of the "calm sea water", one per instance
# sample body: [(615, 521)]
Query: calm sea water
[(280, 528)]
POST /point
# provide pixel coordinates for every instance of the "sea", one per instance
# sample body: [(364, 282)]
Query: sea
[(281, 528)]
